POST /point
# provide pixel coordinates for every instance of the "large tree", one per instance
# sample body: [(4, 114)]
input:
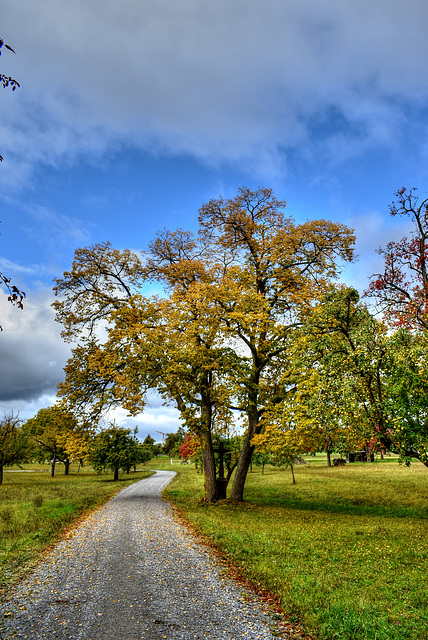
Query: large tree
[(216, 342), (357, 384), (269, 271), (170, 344)]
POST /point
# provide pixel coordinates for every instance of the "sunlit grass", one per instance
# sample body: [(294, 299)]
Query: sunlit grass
[(35, 509), (344, 550)]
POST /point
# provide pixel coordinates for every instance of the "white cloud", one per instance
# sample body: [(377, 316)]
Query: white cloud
[(157, 419), (234, 80)]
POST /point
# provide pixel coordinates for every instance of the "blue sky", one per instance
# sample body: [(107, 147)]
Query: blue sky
[(131, 115)]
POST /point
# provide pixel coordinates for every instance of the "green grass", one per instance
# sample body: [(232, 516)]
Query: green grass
[(36, 509), (344, 550)]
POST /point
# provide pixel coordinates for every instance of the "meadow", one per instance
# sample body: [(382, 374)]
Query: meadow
[(344, 550), (35, 510)]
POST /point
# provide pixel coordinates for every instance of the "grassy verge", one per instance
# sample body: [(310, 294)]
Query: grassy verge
[(36, 509), (344, 550)]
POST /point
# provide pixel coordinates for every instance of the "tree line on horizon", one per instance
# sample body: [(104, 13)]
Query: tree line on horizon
[(55, 435)]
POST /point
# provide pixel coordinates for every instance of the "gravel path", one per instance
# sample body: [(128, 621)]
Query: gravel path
[(131, 572)]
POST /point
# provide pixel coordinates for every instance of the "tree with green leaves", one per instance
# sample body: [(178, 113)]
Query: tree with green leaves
[(173, 441), (57, 432), (14, 445), (406, 393), (116, 448)]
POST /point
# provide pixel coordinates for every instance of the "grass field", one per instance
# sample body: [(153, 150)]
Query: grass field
[(35, 509), (344, 550)]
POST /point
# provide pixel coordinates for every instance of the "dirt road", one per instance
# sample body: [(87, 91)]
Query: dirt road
[(131, 571)]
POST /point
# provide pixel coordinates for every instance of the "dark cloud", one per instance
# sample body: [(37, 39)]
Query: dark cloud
[(32, 353), (32, 357)]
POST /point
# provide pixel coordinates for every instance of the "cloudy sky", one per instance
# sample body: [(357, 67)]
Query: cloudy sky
[(130, 115)]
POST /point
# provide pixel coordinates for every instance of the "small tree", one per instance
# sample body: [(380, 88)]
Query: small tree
[(14, 446), (190, 448), (261, 458), (173, 442), (56, 431), (147, 449), (116, 448)]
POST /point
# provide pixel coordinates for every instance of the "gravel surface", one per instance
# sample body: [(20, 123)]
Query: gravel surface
[(131, 571)]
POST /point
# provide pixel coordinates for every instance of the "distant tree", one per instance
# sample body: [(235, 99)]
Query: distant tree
[(55, 430), (14, 446), (261, 458), (173, 442), (157, 449), (148, 441), (116, 448), (190, 447), (147, 449)]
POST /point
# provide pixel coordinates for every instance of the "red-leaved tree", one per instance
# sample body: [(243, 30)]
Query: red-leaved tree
[(190, 447), (401, 290)]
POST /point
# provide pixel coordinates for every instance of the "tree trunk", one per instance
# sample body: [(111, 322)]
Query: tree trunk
[(242, 470), (208, 465), (116, 474), (53, 465), (328, 458), (66, 467), (1, 474), (292, 473), (208, 459), (245, 457)]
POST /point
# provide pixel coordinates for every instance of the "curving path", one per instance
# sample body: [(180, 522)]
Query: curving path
[(130, 571)]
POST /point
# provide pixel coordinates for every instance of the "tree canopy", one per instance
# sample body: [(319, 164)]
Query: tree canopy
[(214, 344)]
